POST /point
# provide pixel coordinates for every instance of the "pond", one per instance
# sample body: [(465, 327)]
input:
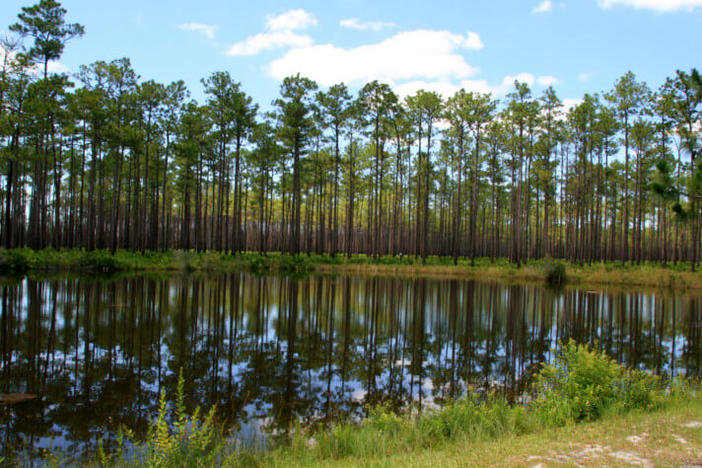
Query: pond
[(272, 351)]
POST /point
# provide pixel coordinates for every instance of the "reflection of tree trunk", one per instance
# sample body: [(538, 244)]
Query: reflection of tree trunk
[(52, 335), (453, 312), (289, 394), (347, 330), (6, 336), (373, 337), (330, 339), (234, 320), (469, 305)]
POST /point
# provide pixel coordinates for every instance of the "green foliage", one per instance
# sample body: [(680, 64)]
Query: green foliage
[(384, 431), (16, 260), (555, 271), (187, 442), (294, 264), (583, 383), (100, 260)]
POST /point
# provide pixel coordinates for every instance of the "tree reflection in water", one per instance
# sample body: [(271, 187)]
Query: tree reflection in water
[(271, 351)]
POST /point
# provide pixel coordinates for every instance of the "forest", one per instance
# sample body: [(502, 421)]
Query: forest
[(103, 159)]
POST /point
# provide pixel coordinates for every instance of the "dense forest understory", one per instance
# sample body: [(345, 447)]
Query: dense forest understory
[(104, 160)]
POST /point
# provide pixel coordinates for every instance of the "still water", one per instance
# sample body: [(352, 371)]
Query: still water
[(272, 351)]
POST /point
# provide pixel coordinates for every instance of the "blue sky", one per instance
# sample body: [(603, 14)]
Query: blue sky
[(578, 46)]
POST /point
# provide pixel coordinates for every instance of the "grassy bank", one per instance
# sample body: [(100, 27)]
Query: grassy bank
[(584, 408), (596, 274), (670, 436)]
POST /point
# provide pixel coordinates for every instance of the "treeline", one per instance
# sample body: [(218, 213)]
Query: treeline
[(104, 160)]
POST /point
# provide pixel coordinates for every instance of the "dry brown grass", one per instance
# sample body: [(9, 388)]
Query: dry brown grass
[(650, 276)]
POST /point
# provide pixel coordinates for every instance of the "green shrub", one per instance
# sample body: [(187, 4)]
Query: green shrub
[(294, 264), (259, 264), (16, 260), (555, 272), (582, 383), (101, 260)]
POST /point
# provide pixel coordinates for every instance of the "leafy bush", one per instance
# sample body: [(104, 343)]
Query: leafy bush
[(582, 383), (16, 260), (259, 264), (101, 260), (555, 272), (294, 264)]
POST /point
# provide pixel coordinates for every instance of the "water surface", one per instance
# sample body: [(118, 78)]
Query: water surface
[(270, 351)]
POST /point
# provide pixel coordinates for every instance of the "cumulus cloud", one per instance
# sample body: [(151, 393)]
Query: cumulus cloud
[(543, 7), (404, 56), (274, 40), (207, 30), (568, 103), (355, 23), (547, 80), (508, 81), (657, 5), (445, 88), (56, 67), (8, 58), (280, 34), (290, 20), (473, 41)]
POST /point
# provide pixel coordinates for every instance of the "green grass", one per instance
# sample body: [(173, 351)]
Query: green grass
[(665, 437), (582, 388), (616, 273)]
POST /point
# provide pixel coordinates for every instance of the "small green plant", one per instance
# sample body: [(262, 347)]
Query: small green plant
[(187, 442)]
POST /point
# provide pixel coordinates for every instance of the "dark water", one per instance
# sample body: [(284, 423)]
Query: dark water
[(272, 351)]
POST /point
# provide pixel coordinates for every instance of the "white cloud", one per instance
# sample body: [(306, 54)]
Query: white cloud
[(473, 41), (508, 81), (407, 55), (207, 30), (8, 58), (6, 53), (585, 76), (274, 40), (547, 80), (290, 20), (657, 5), (280, 34), (507, 84), (355, 23), (56, 67), (543, 7), (569, 103), (445, 88)]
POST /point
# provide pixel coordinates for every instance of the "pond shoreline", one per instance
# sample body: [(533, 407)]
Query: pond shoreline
[(598, 274), (273, 350), (583, 388)]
